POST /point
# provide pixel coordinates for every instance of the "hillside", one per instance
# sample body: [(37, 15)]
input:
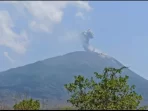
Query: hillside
[(45, 79)]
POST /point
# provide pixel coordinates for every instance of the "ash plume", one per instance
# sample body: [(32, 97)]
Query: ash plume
[(86, 36)]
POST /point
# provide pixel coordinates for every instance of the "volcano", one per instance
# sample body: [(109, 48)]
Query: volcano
[(46, 78)]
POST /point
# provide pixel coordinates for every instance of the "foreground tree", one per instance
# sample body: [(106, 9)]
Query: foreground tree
[(27, 105), (111, 92)]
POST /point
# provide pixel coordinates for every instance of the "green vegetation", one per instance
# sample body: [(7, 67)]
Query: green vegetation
[(107, 91), (111, 92), (27, 105), (67, 108)]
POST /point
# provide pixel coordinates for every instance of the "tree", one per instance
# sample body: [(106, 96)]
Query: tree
[(27, 105), (111, 92)]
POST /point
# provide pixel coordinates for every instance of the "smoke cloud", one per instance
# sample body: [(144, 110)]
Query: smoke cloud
[(86, 36)]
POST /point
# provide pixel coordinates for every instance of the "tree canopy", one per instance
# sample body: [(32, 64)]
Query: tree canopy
[(110, 91)]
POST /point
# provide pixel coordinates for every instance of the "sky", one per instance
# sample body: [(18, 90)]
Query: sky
[(36, 30)]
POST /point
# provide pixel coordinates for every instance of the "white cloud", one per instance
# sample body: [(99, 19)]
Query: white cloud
[(8, 38), (39, 26), (80, 14), (46, 14), (8, 57), (83, 5)]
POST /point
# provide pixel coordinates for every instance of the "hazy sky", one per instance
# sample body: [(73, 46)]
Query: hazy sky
[(32, 31)]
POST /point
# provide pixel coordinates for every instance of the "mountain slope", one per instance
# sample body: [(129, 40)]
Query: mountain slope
[(46, 79)]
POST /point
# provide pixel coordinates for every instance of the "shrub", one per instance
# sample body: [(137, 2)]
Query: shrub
[(27, 105), (67, 108)]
